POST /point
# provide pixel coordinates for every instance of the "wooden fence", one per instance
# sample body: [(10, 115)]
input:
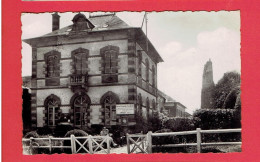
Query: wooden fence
[(85, 144), (144, 142)]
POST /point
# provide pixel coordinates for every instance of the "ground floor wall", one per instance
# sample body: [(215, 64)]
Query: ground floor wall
[(95, 113), (147, 103)]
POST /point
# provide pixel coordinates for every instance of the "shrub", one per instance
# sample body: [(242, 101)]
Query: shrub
[(218, 119), (33, 134), (229, 81), (76, 132), (231, 98), (178, 124), (44, 131), (154, 123)]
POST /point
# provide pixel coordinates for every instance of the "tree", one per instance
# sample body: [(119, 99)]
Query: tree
[(226, 90)]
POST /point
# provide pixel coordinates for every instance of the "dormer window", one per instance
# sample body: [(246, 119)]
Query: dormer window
[(80, 23)]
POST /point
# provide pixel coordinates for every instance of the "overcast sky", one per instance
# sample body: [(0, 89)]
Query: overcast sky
[(185, 40)]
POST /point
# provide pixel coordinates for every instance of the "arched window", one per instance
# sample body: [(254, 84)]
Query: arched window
[(80, 58), (147, 107), (139, 105), (109, 101), (52, 107), (153, 76), (147, 70), (110, 63), (81, 103), (110, 106)]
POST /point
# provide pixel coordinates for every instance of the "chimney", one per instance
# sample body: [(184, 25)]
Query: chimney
[(55, 21)]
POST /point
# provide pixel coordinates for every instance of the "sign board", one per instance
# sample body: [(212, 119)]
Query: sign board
[(125, 109)]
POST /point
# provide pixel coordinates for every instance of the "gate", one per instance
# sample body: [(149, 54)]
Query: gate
[(137, 143), (90, 144)]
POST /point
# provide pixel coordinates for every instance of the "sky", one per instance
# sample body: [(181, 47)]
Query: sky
[(185, 41)]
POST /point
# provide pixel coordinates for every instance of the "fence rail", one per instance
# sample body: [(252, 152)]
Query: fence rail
[(85, 144), (198, 132)]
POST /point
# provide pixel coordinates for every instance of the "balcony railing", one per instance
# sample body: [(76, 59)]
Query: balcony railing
[(77, 80)]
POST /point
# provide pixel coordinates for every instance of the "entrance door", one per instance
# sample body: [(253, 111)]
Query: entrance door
[(80, 106), (110, 109), (53, 112)]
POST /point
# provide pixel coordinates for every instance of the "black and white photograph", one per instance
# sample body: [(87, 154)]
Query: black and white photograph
[(131, 82)]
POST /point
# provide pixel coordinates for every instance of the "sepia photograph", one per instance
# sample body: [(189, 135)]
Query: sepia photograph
[(131, 82)]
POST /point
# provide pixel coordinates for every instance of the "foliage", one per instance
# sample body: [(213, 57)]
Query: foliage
[(218, 119), (154, 123), (76, 132), (44, 131), (215, 119), (177, 124), (231, 99), (223, 88), (33, 134)]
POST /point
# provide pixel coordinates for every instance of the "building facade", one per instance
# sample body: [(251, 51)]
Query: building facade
[(170, 107), (97, 71), (175, 109)]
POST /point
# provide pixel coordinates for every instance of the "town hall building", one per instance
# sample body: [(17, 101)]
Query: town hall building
[(97, 71)]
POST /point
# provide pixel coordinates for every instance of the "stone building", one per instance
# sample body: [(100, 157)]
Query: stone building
[(170, 107), (97, 71), (161, 100), (175, 109), (207, 100)]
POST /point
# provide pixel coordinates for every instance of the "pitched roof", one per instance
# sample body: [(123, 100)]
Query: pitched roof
[(168, 98), (101, 23), (106, 23)]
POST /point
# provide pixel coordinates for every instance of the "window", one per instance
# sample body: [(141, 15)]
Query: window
[(139, 107), (109, 64), (52, 60), (147, 108), (80, 105), (153, 76), (153, 104), (52, 68), (110, 108), (109, 101), (139, 63), (80, 63), (147, 70), (80, 58), (52, 110)]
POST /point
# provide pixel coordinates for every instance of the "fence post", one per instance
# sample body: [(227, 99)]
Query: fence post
[(30, 148), (149, 142), (108, 144), (50, 144), (73, 144), (128, 143), (198, 140), (90, 144), (142, 140)]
